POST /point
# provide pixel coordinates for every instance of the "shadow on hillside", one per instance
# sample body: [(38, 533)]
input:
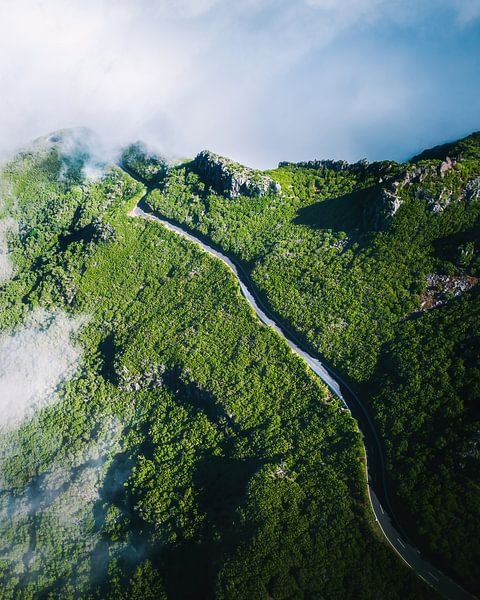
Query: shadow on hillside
[(448, 247), (216, 488), (192, 566), (113, 493), (349, 213), (107, 351), (191, 395)]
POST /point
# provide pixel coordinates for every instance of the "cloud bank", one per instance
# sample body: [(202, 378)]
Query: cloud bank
[(259, 80), (33, 362)]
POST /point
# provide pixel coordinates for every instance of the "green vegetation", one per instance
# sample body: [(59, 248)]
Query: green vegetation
[(427, 411), (350, 256), (143, 164), (468, 147), (191, 454)]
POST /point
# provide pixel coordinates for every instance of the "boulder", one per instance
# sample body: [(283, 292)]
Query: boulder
[(231, 178)]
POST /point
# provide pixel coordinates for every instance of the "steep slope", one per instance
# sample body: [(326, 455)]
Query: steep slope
[(466, 148), (190, 453), (376, 266)]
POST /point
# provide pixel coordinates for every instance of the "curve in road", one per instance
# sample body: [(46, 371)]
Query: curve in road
[(388, 525)]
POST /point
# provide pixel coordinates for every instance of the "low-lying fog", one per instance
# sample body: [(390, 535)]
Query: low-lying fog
[(34, 360), (257, 80)]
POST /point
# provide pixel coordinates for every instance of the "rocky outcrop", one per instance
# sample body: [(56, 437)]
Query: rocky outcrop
[(361, 168), (388, 197), (332, 165), (232, 179), (445, 166), (385, 203), (438, 202), (421, 181), (441, 288), (472, 189)]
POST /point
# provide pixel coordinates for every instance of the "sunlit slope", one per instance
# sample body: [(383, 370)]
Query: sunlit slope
[(376, 266), (187, 453)]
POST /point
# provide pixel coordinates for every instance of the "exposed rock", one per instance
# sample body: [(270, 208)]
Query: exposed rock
[(385, 203), (441, 288), (388, 197), (361, 167), (231, 178), (333, 165), (436, 203), (445, 166), (472, 189)]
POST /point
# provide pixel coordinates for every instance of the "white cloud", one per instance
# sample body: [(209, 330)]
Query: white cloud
[(468, 10), (62, 497), (33, 361), (195, 73)]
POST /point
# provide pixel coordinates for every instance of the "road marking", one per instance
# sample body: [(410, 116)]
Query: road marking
[(381, 508), (400, 542), (432, 575)]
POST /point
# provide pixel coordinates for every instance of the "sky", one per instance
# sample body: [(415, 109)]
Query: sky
[(260, 81)]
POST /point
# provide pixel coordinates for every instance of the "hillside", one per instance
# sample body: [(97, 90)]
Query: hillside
[(160, 441), (466, 148), (376, 267)]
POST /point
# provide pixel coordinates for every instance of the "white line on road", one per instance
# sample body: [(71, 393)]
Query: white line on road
[(400, 542), (432, 575)]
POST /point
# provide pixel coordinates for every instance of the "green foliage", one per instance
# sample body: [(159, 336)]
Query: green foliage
[(468, 147), (351, 291), (427, 410), (146, 166), (192, 455)]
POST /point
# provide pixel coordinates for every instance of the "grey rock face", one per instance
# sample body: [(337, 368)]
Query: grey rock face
[(445, 166), (333, 165), (472, 189), (388, 198), (361, 167), (442, 288), (233, 179), (386, 203)]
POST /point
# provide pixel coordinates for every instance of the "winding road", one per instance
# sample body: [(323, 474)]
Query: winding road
[(375, 465)]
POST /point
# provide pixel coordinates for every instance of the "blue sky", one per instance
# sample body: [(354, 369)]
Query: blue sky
[(258, 80)]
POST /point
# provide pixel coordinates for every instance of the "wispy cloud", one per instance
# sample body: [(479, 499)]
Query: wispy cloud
[(262, 80), (33, 362)]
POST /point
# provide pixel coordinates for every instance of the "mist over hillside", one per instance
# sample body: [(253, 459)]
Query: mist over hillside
[(33, 361), (177, 443), (240, 300), (259, 81)]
